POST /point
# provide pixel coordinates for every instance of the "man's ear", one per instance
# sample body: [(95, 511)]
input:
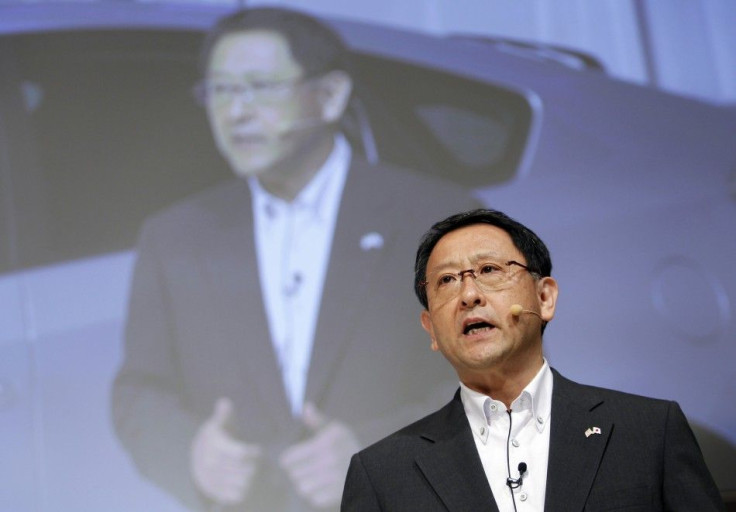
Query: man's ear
[(547, 295), (426, 320), (335, 89)]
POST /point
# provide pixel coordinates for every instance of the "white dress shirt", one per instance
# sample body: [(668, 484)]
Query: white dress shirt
[(293, 242), (522, 435)]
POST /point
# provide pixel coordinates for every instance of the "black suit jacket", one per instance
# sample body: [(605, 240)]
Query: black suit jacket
[(645, 459), (197, 328)]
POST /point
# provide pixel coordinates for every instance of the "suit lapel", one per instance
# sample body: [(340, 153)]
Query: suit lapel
[(451, 463), (574, 457), (352, 263), (233, 274)]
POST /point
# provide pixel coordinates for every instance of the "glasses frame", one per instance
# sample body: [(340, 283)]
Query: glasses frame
[(201, 94), (461, 273)]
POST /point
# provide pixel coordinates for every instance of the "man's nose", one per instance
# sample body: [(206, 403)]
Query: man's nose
[(470, 293), (241, 104)]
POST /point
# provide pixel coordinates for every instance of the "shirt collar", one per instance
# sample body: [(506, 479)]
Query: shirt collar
[(537, 395), (539, 392), (311, 197)]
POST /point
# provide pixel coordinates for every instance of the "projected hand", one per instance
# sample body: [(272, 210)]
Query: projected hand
[(222, 467), (318, 466)]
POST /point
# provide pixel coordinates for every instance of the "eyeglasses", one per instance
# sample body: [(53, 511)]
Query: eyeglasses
[(489, 276), (221, 92)]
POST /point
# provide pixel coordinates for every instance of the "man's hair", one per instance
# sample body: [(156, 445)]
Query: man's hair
[(524, 239), (314, 45)]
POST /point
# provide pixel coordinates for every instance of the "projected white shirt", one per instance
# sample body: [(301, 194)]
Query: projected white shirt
[(293, 241)]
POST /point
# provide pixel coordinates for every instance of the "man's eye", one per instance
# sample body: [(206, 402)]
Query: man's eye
[(261, 85), (488, 268), (221, 88), (267, 86), (446, 279)]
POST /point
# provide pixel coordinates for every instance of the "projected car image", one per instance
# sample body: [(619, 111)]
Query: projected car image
[(633, 189)]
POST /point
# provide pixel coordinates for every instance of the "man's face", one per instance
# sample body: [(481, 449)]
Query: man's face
[(472, 326), (258, 102)]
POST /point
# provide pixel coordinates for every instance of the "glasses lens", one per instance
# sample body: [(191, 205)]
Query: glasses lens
[(489, 277), (220, 93)]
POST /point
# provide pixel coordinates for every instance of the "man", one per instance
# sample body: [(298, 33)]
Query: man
[(518, 435), (266, 340)]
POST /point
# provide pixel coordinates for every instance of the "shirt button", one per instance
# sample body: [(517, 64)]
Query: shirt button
[(493, 407), (482, 431), (515, 443), (523, 496), (540, 420), (270, 210)]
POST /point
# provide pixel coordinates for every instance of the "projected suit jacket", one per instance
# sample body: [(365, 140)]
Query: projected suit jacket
[(197, 328), (643, 457)]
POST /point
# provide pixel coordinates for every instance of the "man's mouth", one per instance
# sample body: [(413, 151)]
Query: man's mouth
[(477, 327), (247, 139)]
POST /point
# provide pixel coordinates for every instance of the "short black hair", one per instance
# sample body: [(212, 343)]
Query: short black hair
[(524, 239), (314, 45)]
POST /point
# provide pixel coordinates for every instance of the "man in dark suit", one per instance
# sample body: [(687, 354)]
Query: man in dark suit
[(518, 435), (266, 338)]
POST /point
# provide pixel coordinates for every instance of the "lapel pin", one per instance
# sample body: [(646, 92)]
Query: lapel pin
[(371, 240), (592, 430)]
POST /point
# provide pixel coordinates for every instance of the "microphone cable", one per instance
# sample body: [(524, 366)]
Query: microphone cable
[(513, 483), (508, 462)]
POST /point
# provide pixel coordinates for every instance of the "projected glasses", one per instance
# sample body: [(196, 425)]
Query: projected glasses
[(222, 92)]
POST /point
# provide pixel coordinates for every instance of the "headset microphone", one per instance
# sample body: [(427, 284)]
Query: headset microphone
[(518, 309), (299, 125)]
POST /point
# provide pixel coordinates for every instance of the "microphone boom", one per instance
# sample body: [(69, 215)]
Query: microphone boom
[(518, 309)]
